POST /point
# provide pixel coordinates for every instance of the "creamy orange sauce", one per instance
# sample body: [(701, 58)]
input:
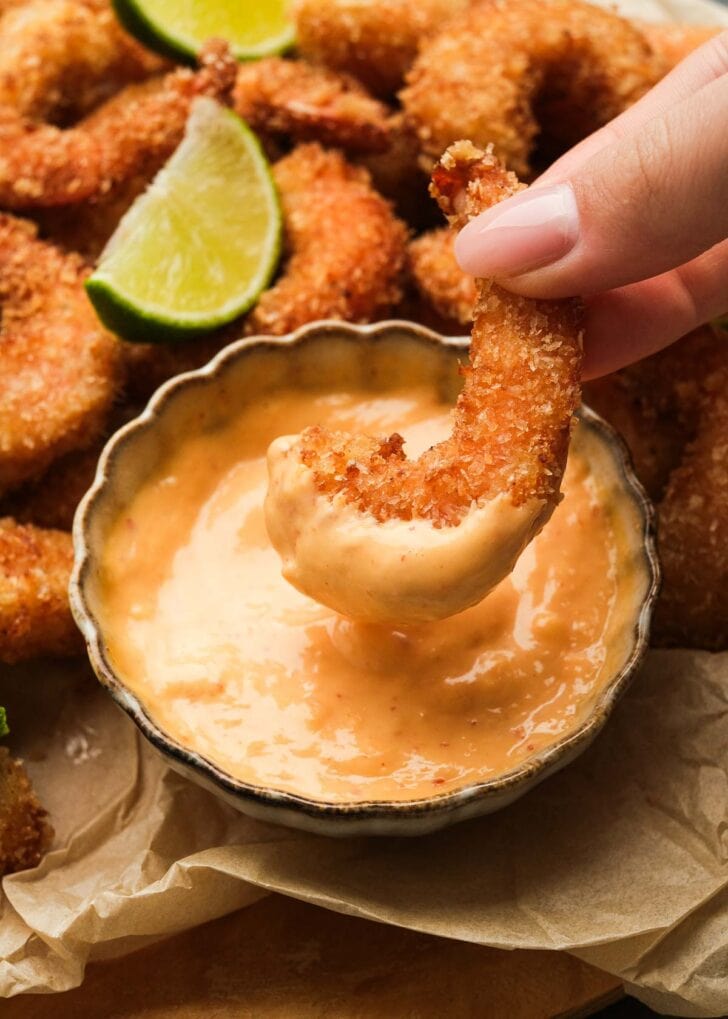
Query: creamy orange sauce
[(235, 663)]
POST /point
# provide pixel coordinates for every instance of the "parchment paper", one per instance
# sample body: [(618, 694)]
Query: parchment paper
[(621, 859)]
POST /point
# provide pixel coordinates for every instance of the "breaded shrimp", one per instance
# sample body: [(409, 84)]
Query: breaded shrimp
[(60, 368), (290, 97), (656, 403), (673, 42), (43, 166), (60, 58), (384, 539), (346, 249), (35, 568), (439, 279), (514, 72), (693, 532), (276, 97), (672, 409), (25, 834), (376, 41)]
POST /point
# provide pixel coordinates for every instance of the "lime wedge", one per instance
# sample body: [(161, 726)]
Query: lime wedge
[(197, 248), (178, 28)]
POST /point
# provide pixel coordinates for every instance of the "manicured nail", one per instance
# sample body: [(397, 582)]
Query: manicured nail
[(533, 229)]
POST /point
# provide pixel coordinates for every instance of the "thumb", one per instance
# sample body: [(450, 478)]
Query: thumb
[(647, 203)]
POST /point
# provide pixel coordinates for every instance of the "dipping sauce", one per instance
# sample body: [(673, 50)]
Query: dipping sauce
[(234, 663)]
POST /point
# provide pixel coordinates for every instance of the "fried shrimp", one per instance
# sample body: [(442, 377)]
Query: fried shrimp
[(375, 41), (514, 72), (693, 532), (25, 834), (383, 539), (673, 42), (35, 568), (60, 368), (438, 277), (60, 58), (346, 248), (43, 166), (672, 410), (290, 97)]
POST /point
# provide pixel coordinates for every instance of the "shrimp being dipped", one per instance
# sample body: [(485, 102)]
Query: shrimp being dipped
[(60, 58), (346, 247), (60, 368), (43, 166), (383, 539)]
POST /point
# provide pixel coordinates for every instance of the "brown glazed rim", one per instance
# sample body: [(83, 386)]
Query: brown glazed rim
[(258, 796)]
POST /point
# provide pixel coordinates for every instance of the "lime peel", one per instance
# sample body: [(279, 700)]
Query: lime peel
[(178, 30), (197, 248)]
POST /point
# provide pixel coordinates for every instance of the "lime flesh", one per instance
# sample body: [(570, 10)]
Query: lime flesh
[(197, 248), (178, 28)]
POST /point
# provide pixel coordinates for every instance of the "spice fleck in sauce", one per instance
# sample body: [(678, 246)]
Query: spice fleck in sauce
[(233, 662)]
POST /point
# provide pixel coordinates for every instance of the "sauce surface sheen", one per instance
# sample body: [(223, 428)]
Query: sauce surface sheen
[(234, 663)]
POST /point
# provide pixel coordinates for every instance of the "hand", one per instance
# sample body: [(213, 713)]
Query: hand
[(634, 219)]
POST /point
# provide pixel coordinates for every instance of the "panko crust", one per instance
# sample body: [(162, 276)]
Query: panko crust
[(43, 166), (513, 418), (438, 277), (375, 41), (35, 568), (296, 99), (25, 834), (346, 250), (60, 368), (61, 58), (508, 69)]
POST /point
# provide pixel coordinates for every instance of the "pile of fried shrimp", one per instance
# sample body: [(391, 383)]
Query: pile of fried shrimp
[(353, 121)]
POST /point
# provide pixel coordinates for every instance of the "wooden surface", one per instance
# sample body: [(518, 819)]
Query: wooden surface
[(282, 959)]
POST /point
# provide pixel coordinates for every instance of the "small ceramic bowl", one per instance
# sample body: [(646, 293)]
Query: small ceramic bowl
[(331, 354)]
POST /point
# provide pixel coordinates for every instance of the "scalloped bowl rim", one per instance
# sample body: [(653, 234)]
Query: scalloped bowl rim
[(386, 817)]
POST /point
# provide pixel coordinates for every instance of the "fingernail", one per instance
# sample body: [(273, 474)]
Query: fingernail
[(533, 229)]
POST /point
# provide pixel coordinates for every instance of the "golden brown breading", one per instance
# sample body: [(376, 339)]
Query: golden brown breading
[(346, 249), (513, 417), (307, 103), (42, 166), (439, 279), (693, 532), (672, 410), (508, 69), (673, 42), (375, 41), (60, 58), (60, 368), (655, 404), (25, 834), (35, 568)]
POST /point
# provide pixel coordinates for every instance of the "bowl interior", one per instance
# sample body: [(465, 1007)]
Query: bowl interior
[(329, 357)]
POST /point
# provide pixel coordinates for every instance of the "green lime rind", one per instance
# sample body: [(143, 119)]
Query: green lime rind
[(175, 43), (4, 730), (195, 251)]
